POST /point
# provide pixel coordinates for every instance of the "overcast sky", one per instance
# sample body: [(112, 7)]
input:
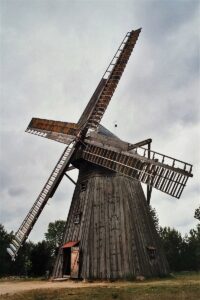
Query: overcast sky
[(53, 54)]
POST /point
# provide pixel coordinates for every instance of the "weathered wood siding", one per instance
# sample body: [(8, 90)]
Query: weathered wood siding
[(115, 229)]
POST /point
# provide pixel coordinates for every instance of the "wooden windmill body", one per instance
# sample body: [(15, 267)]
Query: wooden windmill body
[(109, 232)]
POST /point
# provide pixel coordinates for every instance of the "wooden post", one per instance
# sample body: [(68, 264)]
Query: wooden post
[(149, 188)]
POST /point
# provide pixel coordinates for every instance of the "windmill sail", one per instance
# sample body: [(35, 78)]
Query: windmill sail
[(153, 171), (87, 111), (62, 132), (96, 108), (46, 193)]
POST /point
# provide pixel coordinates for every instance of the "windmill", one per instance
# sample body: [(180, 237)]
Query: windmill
[(109, 231)]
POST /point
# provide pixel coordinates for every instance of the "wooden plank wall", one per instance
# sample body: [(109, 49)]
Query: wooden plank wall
[(115, 229)]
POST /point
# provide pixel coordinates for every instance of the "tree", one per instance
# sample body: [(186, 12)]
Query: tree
[(192, 256), (54, 234), (197, 213), (21, 266), (155, 218), (40, 258), (5, 263), (172, 243)]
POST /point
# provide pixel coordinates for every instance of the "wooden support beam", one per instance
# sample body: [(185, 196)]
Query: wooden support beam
[(70, 179), (149, 187), (139, 144), (70, 168), (149, 191)]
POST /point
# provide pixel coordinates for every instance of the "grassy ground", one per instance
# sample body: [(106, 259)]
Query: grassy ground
[(182, 286)]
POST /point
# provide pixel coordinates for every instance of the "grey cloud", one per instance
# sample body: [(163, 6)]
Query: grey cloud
[(53, 55), (163, 17), (16, 191)]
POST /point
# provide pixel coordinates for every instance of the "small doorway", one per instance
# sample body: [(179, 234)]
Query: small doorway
[(71, 255)]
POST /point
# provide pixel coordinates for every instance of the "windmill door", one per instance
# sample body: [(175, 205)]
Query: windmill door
[(75, 262), (71, 259)]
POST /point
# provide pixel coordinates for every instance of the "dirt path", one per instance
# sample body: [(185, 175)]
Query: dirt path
[(12, 287), (15, 287)]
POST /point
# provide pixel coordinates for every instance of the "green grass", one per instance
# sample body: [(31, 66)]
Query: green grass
[(151, 293), (183, 286)]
